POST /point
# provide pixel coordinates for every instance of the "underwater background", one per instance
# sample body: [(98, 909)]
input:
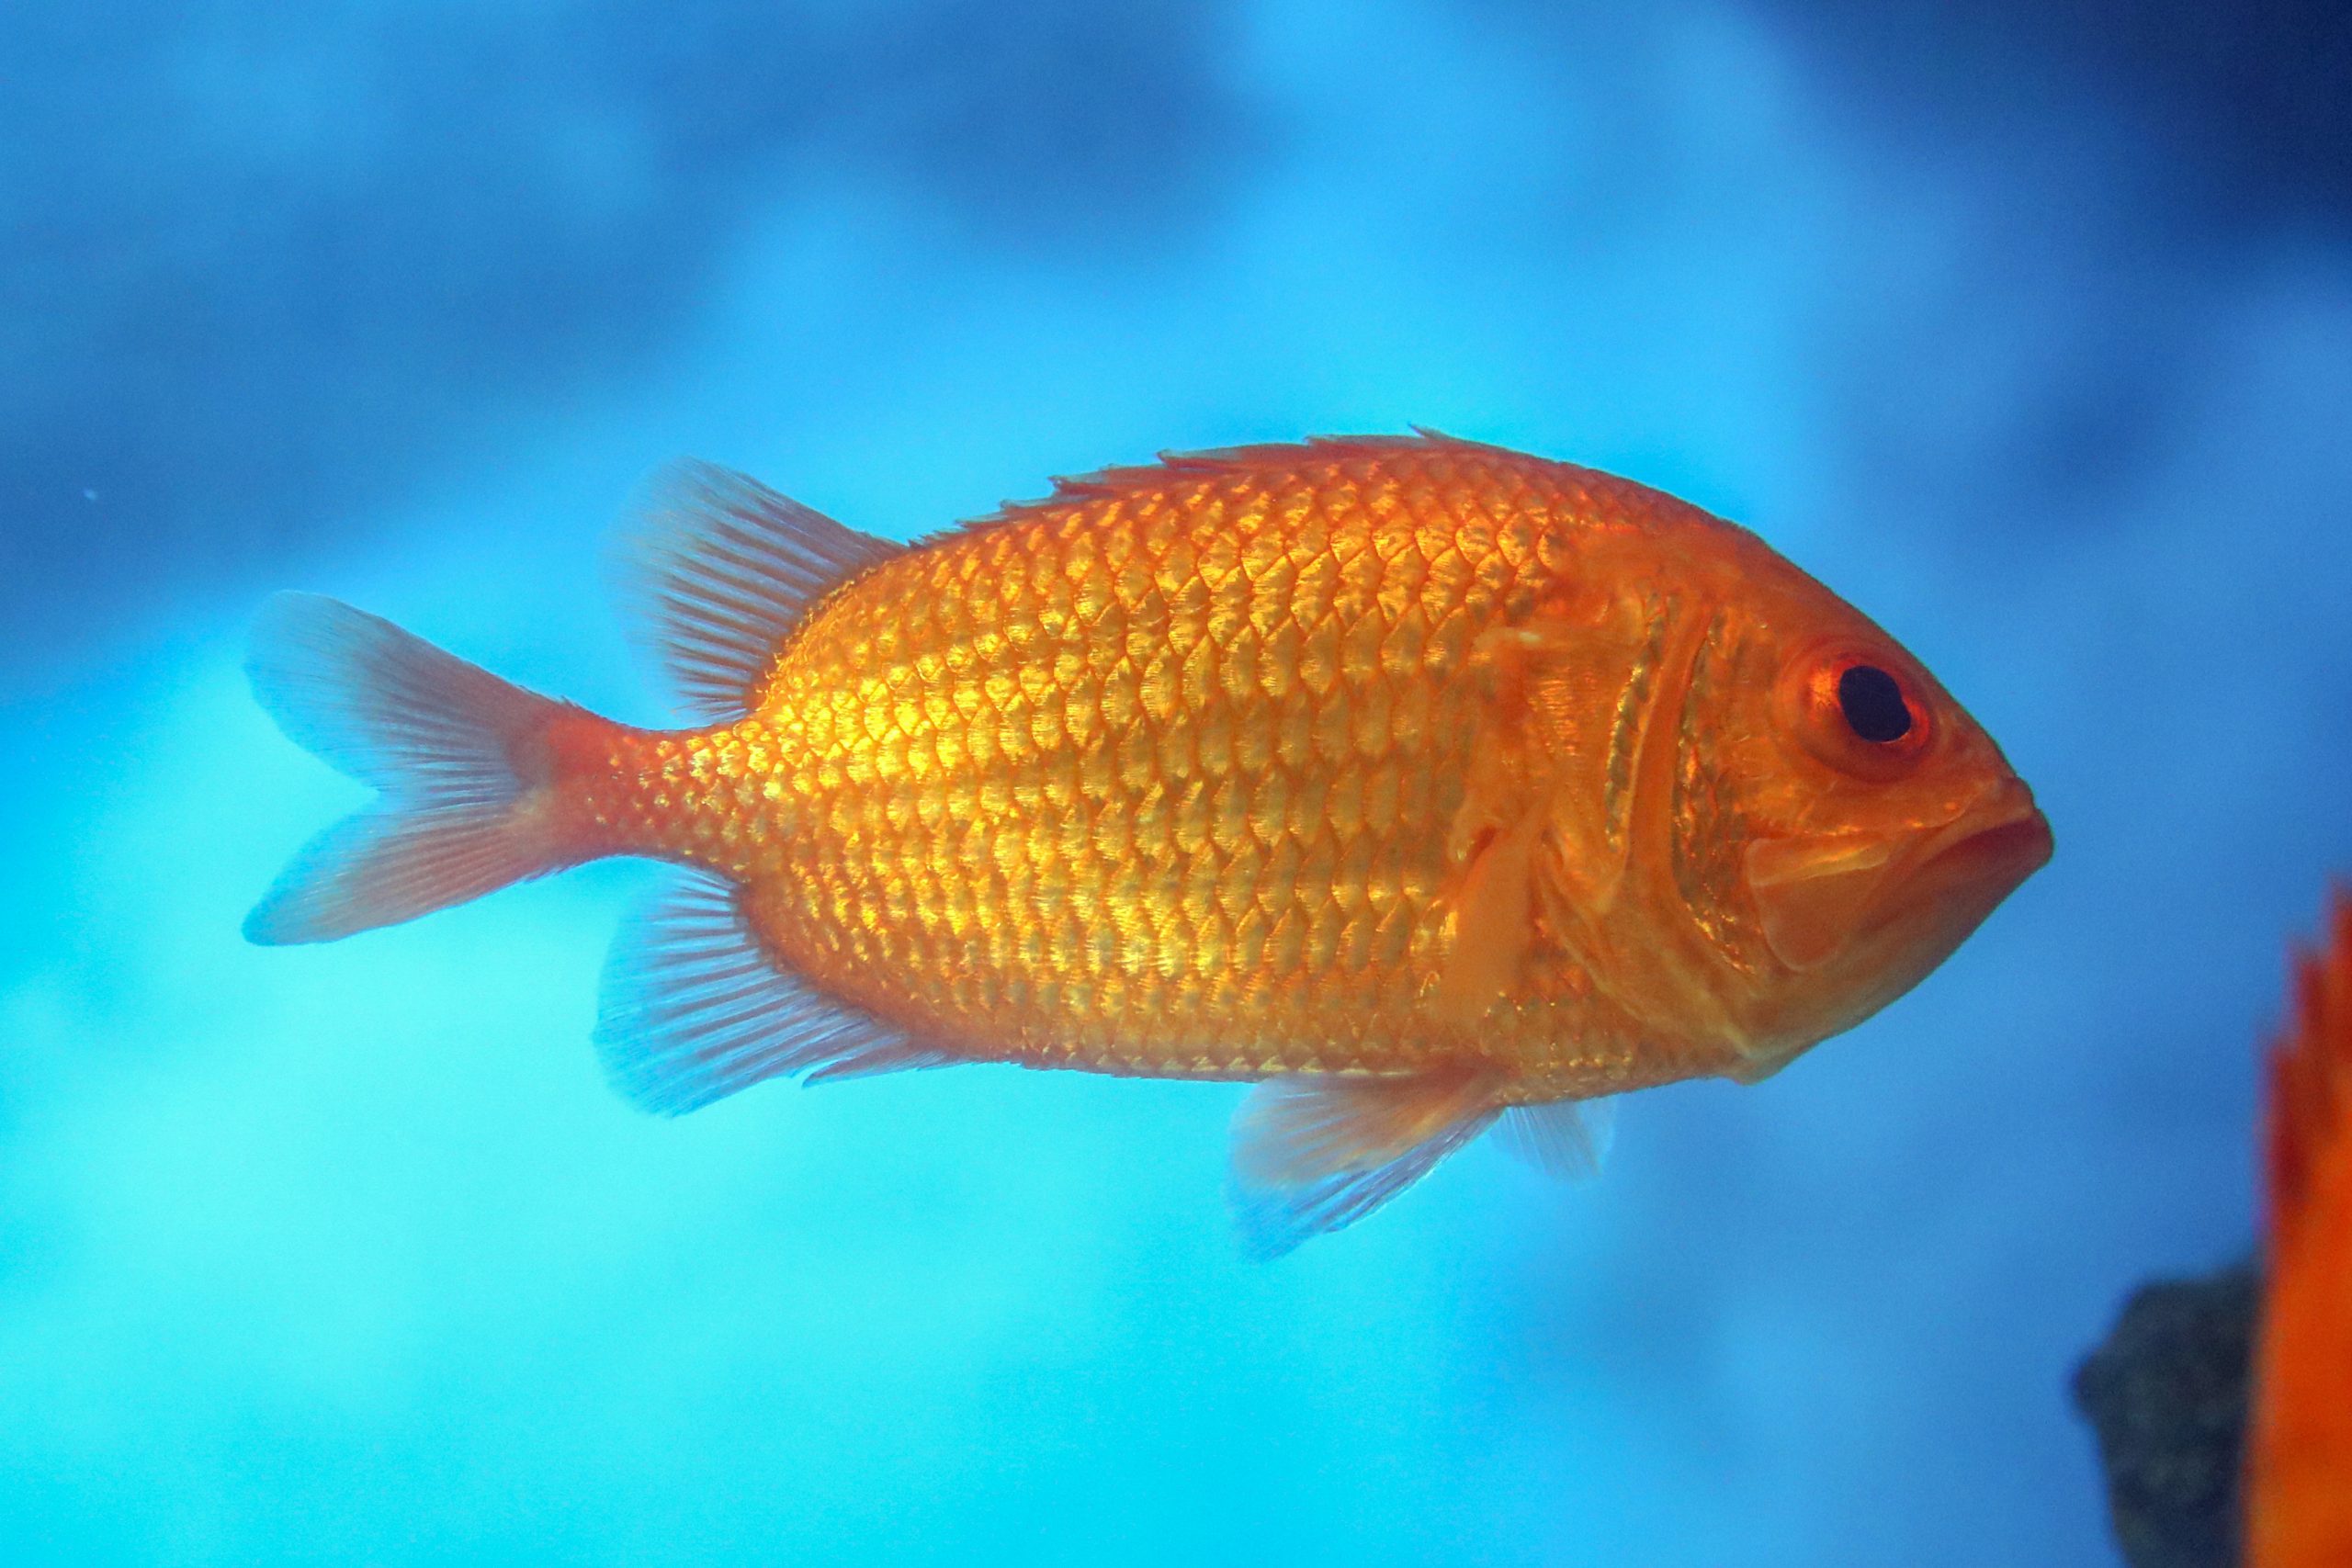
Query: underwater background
[(2030, 334)]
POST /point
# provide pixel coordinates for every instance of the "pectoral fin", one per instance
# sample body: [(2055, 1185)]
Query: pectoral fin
[(1565, 752), (1313, 1154), (1512, 801), (1494, 922)]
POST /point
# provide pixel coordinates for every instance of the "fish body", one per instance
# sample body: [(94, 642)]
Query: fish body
[(1428, 780), (2299, 1474)]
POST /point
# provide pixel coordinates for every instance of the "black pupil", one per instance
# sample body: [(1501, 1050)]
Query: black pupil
[(1873, 704)]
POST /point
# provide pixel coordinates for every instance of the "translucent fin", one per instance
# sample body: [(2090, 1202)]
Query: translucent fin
[(719, 570), (1312, 1155), (695, 1007), (1566, 1139), (455, 750), (1494, 923)]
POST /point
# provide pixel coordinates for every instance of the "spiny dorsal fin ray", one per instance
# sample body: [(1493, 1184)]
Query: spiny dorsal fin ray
[(718, 568), (1272, 457)]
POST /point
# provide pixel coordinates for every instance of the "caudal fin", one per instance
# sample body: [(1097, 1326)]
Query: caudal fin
[(460, 755)]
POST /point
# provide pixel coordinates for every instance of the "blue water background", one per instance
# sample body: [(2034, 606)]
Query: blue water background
[(2031, 334)]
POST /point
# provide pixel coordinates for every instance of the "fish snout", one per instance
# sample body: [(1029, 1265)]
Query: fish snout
[(2001, 837)]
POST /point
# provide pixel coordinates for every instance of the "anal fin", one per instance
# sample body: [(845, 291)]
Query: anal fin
[(1316, 1154), (695, 1006)]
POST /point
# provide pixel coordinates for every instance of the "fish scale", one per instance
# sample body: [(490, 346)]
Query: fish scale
[(1202, 679), (1435, 782)]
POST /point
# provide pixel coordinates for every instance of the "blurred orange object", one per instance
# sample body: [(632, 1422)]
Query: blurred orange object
[(2299, 1480)]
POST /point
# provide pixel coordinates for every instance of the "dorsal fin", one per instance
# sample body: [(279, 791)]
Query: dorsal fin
[(1267, 459), (718, 568)]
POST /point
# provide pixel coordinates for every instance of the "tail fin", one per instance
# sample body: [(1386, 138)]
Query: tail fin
[(460, 755)]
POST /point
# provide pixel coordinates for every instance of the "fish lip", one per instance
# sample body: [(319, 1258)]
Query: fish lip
[(2002, 830), (1873, 887), (2024, 841), (2009, 819)]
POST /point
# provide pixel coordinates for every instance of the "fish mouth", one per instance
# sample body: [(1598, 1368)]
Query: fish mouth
[(1944, 887), (1863, 895), (1857, 922), (1996, 843)]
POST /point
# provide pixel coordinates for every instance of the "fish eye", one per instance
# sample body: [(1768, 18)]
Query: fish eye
[(1873, 701), (1855, 709)]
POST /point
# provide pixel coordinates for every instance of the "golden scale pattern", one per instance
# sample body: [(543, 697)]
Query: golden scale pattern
[(1153, 777)]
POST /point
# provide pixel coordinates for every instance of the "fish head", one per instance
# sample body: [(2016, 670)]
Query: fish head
[(1865, 824)]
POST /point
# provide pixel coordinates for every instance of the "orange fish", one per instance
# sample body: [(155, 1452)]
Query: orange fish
[(2299, 1462), (1428, 781)]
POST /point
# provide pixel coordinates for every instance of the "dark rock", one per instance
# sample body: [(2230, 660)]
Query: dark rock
[(2167, 1393)]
